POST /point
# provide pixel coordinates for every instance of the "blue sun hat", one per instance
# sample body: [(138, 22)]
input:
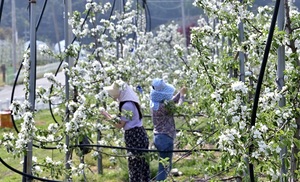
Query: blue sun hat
[(161, 92)]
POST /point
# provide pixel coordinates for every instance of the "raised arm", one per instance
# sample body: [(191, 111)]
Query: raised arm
[(179, 97), (119, 124)]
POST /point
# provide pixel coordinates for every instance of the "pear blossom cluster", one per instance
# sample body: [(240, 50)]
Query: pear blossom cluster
[(227, 139)]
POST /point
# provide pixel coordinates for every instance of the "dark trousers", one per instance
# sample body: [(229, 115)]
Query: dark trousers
[(139, 170)]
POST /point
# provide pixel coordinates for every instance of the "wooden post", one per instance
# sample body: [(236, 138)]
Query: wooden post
[(3, 70)]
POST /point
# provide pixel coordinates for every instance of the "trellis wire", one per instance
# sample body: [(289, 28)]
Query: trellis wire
[(260, 80)]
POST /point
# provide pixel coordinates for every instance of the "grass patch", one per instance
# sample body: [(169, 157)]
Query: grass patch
[(112, 172), (1, 80)]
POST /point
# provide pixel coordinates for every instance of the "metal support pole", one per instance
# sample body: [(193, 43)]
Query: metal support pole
[(280, 83), (32, 81), (242, 54), (183, 23), (122, 6), (67, 87), (14, 36), (99, 161), (118, 47), (230, 54), (242, 68), (99, 158), (216, 49)]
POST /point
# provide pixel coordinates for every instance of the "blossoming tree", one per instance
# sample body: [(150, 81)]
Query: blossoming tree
[(209, 68), (234, 99)]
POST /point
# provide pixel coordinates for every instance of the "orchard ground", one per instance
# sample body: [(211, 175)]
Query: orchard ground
[(113, 170)]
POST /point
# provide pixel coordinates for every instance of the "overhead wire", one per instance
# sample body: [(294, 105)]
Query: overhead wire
[(25, 174), (61, 61), (165, 7), (148, 18), (59, 66), (74, 39), (187, 151), (1, 9), (163, 19), (260, 80), (144, 150), (192, 150), (111, 12)]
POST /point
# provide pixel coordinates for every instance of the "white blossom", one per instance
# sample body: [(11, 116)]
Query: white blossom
[(239, 86), (256, 134)]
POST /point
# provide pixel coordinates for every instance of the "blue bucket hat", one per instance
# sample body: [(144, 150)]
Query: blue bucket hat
[(161, 92)]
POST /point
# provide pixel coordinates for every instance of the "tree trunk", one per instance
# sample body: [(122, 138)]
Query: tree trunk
[(295, 150)]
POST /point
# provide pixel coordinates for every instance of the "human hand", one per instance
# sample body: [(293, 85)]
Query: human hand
[(106, 114), (183, 90)]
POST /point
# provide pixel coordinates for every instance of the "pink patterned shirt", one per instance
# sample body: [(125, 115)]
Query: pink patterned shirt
[(163, 121)]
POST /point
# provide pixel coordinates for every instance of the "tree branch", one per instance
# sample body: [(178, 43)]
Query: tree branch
[(289, 29), (253, 26)]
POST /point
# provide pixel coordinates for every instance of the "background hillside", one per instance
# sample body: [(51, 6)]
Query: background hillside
[(51, 28), (52, 25)]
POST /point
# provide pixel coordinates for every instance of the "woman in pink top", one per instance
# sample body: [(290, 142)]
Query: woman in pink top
[(135, 134)]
